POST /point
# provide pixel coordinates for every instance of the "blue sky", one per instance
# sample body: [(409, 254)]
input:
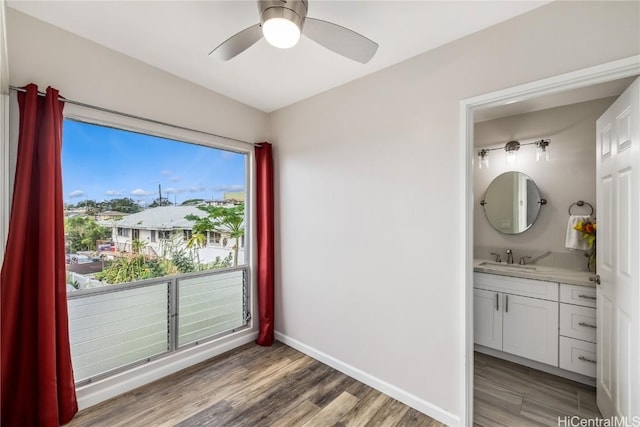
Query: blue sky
[(100, 163)]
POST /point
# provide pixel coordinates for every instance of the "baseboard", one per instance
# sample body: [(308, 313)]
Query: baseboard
[(99, 391), (389, 389), (582, 379)]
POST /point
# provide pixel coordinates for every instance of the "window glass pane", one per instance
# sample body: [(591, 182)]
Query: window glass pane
[(139, 206), (111, 330), (209, 305)]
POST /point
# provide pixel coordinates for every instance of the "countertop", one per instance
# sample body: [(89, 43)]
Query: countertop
[(535, 272)]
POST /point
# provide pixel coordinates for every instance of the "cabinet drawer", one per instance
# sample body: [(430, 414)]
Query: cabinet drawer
[(578, 322), (578, 356), (580, 295), (516, 286)]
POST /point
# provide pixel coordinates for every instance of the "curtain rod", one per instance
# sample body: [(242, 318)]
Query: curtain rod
[(132, 116)]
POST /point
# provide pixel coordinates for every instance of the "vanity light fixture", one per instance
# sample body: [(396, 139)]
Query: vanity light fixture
[(511, 149), (511, 152), (484, 159), (542, 150)]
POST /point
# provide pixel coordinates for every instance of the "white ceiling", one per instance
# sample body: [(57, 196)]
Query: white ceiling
[(176, 36)]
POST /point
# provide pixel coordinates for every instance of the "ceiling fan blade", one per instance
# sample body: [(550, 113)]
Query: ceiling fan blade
[(237, 43), (341, 40)]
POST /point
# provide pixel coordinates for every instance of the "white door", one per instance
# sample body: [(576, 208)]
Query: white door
[(487, 318), (618, 260), (530, 328)]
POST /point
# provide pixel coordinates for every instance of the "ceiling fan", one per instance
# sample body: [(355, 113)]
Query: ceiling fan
[(283, 21)]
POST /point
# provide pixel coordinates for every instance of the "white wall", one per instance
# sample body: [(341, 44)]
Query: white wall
[(87, 72), (567, 177), (376, 161), (4, 133)]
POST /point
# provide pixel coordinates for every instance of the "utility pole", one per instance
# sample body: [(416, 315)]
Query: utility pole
[(159, 195)]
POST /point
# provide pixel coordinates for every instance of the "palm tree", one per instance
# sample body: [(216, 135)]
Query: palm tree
[(198, 240), (221, 220)]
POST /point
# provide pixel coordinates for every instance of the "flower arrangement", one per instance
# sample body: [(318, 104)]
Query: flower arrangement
[(588, 230)]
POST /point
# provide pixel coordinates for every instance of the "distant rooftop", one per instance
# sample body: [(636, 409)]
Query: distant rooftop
[(161, 218)]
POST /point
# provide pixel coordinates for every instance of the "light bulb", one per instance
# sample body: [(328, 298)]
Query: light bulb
[(281, 33), (483, 161), (511, 157), (542, 151)]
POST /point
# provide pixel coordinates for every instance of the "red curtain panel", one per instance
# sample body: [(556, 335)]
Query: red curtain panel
[(37, 378), (264, 196)]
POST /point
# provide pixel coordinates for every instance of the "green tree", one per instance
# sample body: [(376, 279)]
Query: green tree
[(198, 240), (192, 202), (124, 205), (128, 269), (160, 202), (137, 245), (84, 232), (222, 220), (91, 206)]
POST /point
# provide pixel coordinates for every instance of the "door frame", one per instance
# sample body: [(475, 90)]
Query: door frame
[(602, 73)]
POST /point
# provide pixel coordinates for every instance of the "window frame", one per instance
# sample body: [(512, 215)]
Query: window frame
[(211, 239), (164, 235)]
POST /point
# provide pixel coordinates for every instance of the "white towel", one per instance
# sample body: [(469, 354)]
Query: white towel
[(574, 238)]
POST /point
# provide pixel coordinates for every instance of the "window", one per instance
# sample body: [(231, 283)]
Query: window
[(214, 238), (146, 183), (157, 191)]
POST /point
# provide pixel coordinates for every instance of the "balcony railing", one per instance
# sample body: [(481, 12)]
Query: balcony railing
[(114, 327)]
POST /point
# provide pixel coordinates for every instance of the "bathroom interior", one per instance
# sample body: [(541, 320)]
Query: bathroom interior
[(534, 290)]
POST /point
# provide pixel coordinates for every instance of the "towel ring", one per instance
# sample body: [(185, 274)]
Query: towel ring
[(581, 203)]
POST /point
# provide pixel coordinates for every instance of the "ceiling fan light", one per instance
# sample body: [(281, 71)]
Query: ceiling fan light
[(281, 32)]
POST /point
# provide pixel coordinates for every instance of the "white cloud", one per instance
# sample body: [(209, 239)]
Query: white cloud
[(165, 172), (113, 193), (229, 187), (196, 189), (139, 192), (76, 194), (175, 179)]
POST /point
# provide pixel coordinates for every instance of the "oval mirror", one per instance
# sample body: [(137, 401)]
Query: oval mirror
[(512, 202)]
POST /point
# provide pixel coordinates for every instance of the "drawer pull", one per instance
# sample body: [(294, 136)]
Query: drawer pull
[(587, 325), (586, 296), (584, 359), (497, 302)]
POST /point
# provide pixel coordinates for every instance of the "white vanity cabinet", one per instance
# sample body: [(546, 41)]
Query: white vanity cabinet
[(578, 329), (517, 316)]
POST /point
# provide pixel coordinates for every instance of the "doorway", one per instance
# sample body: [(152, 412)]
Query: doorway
[(571, 81)]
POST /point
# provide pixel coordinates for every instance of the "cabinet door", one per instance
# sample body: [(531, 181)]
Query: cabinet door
[(531, 328), (487, 318)]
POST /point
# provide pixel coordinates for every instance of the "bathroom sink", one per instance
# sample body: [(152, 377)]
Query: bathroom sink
[(504, 266)]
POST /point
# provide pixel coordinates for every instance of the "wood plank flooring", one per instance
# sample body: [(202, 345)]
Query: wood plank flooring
[(254, 386), (279, 386), (508, 394)]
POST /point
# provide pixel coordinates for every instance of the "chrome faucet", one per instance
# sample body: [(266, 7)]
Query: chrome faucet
[(509, 256), (498, 259), (523, 260)]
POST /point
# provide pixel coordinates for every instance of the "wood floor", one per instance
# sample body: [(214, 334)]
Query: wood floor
[(254, 386), (279, 386), (507, 394)]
